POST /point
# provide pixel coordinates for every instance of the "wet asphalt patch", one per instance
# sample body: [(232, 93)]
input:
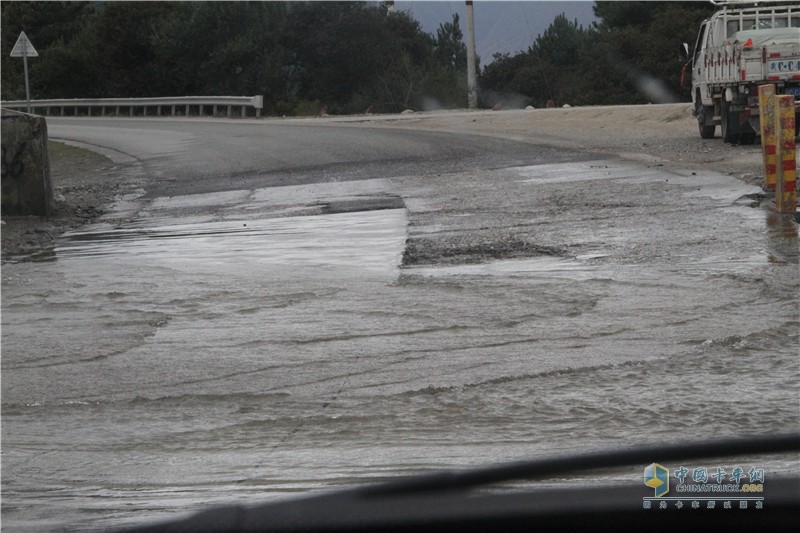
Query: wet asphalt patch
[(427, 252), (355, 205)]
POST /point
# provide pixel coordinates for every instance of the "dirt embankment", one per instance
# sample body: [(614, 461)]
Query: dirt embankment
[(85, 183)]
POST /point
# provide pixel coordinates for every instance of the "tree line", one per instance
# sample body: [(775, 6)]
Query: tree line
[(629, 56), (342, 57)]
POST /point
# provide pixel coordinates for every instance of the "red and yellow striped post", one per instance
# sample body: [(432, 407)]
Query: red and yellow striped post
[(786, 168), (766, 110)]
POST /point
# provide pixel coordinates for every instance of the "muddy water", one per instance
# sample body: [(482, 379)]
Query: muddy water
[(209, 355)]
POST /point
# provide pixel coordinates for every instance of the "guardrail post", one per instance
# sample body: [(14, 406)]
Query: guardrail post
[(786, 157), (766, 108)]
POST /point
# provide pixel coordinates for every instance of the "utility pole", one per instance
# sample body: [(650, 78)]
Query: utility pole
[(472, 78)]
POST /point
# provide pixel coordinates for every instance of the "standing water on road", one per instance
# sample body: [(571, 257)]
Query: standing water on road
[(205, 355)]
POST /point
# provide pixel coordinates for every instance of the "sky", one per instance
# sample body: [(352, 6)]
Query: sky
[(500, 26)]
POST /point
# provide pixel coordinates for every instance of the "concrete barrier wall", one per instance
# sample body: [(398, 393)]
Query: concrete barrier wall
[(26, 167)]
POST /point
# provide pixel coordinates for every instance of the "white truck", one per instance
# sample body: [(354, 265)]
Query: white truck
[(741, 46)]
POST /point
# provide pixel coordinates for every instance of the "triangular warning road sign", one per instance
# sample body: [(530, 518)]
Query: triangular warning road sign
[(24, 47)]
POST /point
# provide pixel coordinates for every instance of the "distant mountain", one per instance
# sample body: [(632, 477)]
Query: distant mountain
[(504, 27)]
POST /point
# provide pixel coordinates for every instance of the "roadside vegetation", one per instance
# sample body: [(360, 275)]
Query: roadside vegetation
[(338, 57)]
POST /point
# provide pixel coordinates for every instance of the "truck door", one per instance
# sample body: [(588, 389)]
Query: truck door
[(699, 70)]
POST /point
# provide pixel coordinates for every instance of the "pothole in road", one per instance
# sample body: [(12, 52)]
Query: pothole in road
[(429, 252), (751, 200), (361, 204)]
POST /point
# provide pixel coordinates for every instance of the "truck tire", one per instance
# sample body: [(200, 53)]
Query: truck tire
[(701, 112), (730, 134)]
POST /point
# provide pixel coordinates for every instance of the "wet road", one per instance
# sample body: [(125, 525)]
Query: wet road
[(290, 308)]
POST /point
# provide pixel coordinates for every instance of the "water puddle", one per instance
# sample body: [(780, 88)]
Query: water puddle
[(723, 188), (353, 231), (365, 241), (545, 267), (582, 171), (289, 351)]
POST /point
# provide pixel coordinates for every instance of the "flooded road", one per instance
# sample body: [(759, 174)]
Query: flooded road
[(248, 339)]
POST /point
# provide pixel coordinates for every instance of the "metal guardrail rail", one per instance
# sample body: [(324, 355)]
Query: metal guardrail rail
[(174, 106)]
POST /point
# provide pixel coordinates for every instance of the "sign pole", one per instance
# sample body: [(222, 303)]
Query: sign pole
[(24, 48), (25, 67)]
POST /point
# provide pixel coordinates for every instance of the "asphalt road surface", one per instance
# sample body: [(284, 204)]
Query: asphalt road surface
[(286, 307), (193, 157)]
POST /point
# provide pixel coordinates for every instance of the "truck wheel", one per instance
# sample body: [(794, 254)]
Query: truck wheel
[(729, 135), (706, 131), (701, 112)]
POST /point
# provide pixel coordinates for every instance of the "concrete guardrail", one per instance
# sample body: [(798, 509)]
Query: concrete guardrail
[(174, 106)]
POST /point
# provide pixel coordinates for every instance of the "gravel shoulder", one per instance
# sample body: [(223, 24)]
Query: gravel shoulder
[(86, 183), (664, 133)]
